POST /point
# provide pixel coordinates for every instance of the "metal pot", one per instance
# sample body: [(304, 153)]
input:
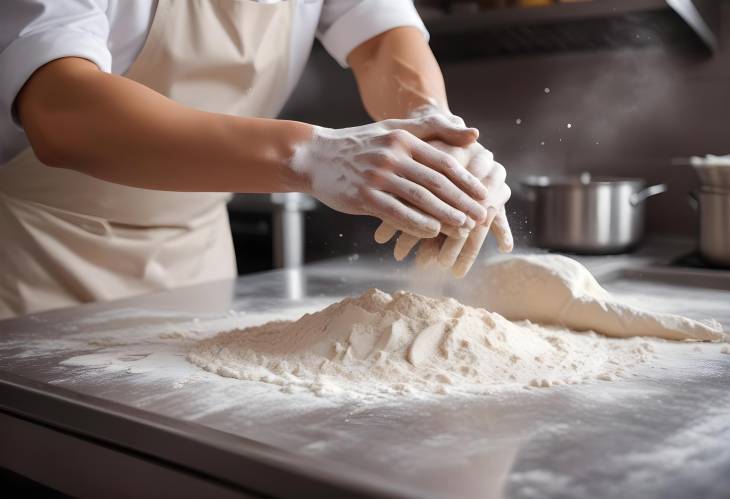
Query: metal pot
[(715, 226), (589, 215)]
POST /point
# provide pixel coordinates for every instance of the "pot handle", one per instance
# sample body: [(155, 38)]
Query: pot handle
[(693, 201), (640, 197)]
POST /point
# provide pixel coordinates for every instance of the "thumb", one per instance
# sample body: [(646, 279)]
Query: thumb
[(439, 127)]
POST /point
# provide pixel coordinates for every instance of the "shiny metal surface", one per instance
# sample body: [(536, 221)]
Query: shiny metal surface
[(713, 176), (589, 215), (714, 210), (288, 227), (663, 434)]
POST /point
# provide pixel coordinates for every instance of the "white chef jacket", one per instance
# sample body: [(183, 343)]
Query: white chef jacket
[(110, 33)]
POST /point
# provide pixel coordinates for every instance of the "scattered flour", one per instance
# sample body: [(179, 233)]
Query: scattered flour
[(406, 342)]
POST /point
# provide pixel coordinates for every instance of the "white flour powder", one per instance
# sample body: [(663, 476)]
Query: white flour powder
[(405, 342)]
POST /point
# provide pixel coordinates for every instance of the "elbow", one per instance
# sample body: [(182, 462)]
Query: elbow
[(50, 154), (50, 134), (51, 109), (50, 146)]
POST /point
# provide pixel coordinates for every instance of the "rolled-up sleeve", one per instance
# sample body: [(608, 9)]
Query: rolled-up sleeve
[(345, 24), (35, 32)]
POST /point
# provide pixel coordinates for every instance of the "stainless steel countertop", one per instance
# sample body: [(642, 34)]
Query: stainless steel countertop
[(665, 433)]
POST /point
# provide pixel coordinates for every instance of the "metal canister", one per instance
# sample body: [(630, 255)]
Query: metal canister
[(714, 208), (714, 205)]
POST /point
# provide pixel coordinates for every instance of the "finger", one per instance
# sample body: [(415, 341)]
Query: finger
[(469, 252), (496, 177), (472, 246), (481, 164), (384, 233), (457, 120), (499, 196), (457, 232), (428, 251), (402, 217), (404, 245), (437, 127), (442, 187), (450, 250), (448, 166), (502, 232), (461, 154), (423, 199)]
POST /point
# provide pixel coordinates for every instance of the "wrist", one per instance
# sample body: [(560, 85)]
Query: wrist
[(294, 137)]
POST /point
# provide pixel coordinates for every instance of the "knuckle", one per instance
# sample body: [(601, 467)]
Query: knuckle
[(397, 137), (437, 120), (432, 180), (432, 227), (365, 193), (382, 159), (371, 175), (448, 163), (418, 195), (457, 120), (392, 211)]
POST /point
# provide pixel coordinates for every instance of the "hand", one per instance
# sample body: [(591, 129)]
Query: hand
[(459, 252), (387, 170)]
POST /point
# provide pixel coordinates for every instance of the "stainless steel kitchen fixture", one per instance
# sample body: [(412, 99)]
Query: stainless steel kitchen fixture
[(587, 25), (590, 215), (714, 171), (713, 203), (288, 228), (207, 436), (260, 220), (714, 208)]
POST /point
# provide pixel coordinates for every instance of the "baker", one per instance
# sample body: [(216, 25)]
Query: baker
[(126, 124)]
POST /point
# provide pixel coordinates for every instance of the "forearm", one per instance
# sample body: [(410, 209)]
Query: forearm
[(120, 131), (397, 73)]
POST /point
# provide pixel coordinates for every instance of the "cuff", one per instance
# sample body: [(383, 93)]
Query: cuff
[(366, 20), (26, 54)]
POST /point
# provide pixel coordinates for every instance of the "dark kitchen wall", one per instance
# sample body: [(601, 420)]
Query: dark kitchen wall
[(630, 111)]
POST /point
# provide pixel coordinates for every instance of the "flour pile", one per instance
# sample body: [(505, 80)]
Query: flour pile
[(405, 342)]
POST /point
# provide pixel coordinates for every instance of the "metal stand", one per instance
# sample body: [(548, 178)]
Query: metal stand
[(288, 228)]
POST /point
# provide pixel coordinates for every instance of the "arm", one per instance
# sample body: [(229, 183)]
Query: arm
[(398, 76), (113, 128)]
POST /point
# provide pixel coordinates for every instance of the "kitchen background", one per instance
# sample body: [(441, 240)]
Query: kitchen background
[(614, 87)]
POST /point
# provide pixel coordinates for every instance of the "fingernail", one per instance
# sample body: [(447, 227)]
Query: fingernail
[(506, 246), (479, 214), (469, 224), (458, 270)]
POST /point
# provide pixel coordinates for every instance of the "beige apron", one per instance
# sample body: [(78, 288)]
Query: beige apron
[(69, 238)]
